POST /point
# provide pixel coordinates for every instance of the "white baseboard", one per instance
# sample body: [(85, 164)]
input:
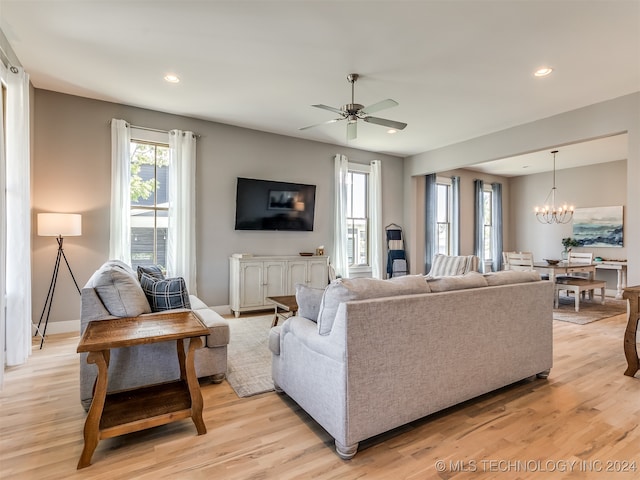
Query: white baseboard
[(222, 309), (65, 326), (71, 326)]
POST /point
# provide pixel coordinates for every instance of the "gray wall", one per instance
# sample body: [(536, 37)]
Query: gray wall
[(72, 158), (620, 115), (600, 185)]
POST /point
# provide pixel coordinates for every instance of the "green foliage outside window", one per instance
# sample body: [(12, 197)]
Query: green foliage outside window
[(145, 154)]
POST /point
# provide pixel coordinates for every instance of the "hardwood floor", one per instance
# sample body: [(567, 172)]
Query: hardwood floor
[(580, 423)]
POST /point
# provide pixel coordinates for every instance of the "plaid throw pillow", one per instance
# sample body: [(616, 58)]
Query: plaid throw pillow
[(151, 270), (166, 294)]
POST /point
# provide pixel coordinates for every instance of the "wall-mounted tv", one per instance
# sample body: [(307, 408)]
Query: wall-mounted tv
[(269, 205)]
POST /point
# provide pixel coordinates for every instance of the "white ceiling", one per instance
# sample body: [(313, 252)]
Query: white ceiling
[(600, 150), (459, 69)]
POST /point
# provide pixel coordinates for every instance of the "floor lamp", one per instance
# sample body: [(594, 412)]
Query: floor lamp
[(57, 225)]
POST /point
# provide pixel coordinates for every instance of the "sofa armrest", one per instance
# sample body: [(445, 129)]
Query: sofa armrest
[(274, 339), (218, 327), (305, 331)]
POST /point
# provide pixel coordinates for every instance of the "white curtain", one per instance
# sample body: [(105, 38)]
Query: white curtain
[(375, 219), (181, 241), (3, 226), (340, 256), (18, 219), (120, 225)]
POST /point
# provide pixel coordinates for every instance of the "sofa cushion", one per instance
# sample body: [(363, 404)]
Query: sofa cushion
[(345, 290), (119, 290), (508, 277), (151, 270), (457, 282), (167, 294), (308, 300)]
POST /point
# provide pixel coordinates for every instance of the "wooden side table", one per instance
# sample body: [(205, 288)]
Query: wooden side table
[(286, 306), (128, 411), (632, 295)]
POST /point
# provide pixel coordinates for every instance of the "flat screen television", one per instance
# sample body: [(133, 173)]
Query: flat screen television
[(269, 205)]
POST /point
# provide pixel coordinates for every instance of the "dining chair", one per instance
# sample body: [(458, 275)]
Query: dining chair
[(521, 261), (578, 258)]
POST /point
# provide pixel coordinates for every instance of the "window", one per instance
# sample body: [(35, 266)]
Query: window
[(443, 216), (487, 205), (149, 203), (357, 217)]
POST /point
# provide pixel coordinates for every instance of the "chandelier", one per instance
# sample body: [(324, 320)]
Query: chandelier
[(550, 213)]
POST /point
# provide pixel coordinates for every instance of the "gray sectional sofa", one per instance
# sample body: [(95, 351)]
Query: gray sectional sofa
[(377, 354), (114, 291)]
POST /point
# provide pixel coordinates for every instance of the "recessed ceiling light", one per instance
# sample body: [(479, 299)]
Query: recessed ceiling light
[(392, 130), (171, 78), (543, 72)]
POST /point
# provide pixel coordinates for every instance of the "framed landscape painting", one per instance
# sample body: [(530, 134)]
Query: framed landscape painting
[(598, 226)]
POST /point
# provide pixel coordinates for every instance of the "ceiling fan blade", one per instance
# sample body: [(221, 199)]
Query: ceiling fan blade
[(385, 123), (331, 109), (352, 131), (323, 123), (388, 103)]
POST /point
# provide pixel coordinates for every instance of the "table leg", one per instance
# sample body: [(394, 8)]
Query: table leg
[(181, 359), (630, 335), (621, 284), (194, 386), (92, 423), (275, 318)]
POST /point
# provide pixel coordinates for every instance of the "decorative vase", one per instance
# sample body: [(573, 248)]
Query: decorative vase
[(565, 254)]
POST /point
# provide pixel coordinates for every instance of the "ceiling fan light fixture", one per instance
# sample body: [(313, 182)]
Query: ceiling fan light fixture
[(352, 112), (543, 71), (392, 131)]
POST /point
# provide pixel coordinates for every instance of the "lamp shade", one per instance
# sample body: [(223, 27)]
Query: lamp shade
[(59, 224)]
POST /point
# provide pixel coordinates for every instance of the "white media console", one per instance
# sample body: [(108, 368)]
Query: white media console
[(253, 278)]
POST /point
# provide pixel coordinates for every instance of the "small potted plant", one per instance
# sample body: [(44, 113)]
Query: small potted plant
[(568, 243)]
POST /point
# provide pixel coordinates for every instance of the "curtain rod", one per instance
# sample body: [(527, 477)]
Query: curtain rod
[(157, 130), (153, 129), (4, 58)]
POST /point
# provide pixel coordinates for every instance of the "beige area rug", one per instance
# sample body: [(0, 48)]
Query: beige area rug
[(590, 311), (248, 355)]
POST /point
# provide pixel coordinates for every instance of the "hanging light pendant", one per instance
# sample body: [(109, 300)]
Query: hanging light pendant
[(550, 213)]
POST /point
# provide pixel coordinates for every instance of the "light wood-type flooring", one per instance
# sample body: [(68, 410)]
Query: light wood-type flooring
[(581, 423)]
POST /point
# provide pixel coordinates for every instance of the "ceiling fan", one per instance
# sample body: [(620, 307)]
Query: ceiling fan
[(352, 112)]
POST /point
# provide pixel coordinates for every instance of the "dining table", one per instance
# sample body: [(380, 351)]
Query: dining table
[(565, 268)]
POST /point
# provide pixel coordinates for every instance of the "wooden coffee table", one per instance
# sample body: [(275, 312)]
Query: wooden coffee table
[(128, 411), (286, 307)]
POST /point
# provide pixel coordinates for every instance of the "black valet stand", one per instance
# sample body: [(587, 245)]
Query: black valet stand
[(44, 229)]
